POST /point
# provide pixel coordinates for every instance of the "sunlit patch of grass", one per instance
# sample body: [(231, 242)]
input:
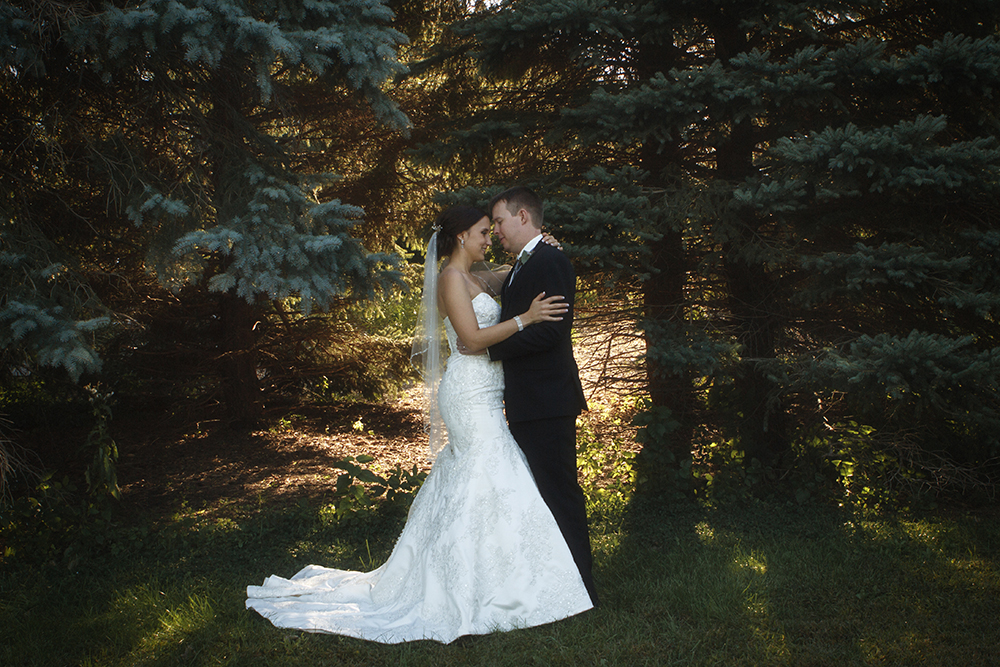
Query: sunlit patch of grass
[(195, 613), (705, 532), (158, 621), (753, 561)]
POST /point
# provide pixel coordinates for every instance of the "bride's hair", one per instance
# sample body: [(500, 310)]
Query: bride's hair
[(452, 222)]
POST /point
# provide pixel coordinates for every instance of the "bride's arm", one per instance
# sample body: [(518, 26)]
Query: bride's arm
[(457, 306)]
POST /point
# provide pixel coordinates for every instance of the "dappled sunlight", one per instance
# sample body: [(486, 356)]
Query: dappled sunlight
[(226, 473), (195, 613), (908, 644), (729, 580), (943, 541), (967, 563), (705, 532), (775, 588), (782, 223), (752, 561), (149, 625), (605, 545), (919, 586), (748, 570), (747, 593)]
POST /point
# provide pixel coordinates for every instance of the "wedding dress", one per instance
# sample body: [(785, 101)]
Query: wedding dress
[(480, 551)]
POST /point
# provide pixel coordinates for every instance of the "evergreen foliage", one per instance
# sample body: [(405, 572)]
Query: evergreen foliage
[(810, 184), (793, 203), (191, 123), (41, 307), (235, 198)]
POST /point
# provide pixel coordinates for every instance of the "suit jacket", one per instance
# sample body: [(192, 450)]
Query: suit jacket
[(540, 374)]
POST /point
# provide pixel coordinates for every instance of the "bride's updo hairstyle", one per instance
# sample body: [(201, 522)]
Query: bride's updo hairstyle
[(451, 223)]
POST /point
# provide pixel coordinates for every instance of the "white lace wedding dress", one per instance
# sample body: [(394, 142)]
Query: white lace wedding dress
[(480, 551)]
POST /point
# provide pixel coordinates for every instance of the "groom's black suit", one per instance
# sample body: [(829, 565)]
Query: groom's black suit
[(543, 395)]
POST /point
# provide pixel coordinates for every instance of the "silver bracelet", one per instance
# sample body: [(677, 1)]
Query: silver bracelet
[(520, 324)]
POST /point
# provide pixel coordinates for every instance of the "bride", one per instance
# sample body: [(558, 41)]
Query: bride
[(480, 551)]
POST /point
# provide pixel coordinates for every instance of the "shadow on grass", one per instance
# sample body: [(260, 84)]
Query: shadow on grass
[(769, 584), (173, 595)]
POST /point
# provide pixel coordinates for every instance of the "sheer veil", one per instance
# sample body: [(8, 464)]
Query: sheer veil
[(426, 351), (490, 275)]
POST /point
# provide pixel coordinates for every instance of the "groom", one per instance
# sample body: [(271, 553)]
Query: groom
[(542, 393)]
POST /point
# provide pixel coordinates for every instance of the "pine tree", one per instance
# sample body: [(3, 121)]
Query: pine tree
[(810, 182), (49, 315), (197, 125)]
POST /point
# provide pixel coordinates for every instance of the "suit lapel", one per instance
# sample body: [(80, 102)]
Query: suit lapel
[(507, 292), (504, 301)]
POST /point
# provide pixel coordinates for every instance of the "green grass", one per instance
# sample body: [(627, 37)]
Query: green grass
[(758, 585)]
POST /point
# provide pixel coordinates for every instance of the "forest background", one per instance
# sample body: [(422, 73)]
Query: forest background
[(783, 216)]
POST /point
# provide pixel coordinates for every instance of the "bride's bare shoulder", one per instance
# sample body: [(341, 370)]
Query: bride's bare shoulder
[(453, 284), (449, 277)]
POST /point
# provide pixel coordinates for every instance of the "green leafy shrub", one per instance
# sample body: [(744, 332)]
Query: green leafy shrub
[(359, 491)]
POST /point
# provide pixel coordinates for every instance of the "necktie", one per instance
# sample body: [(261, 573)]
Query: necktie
[(513, 272)]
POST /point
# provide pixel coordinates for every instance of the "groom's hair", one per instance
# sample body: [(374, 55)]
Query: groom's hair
[(519, 197)]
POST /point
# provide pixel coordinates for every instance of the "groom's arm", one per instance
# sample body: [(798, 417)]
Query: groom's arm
[(557, 278)]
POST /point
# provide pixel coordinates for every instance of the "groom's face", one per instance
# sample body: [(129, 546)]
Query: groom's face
[(508, 228)]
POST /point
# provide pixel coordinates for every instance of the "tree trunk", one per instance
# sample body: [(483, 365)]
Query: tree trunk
[(761, 425), (663, 303), (238, 361), (753, 300), (754, 305)]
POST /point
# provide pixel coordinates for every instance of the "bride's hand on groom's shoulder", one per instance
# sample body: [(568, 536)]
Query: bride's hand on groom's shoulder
[(546, 309), (551, 240)]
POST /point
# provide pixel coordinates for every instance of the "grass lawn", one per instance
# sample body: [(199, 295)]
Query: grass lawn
[(205, 514), (757, 585)]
